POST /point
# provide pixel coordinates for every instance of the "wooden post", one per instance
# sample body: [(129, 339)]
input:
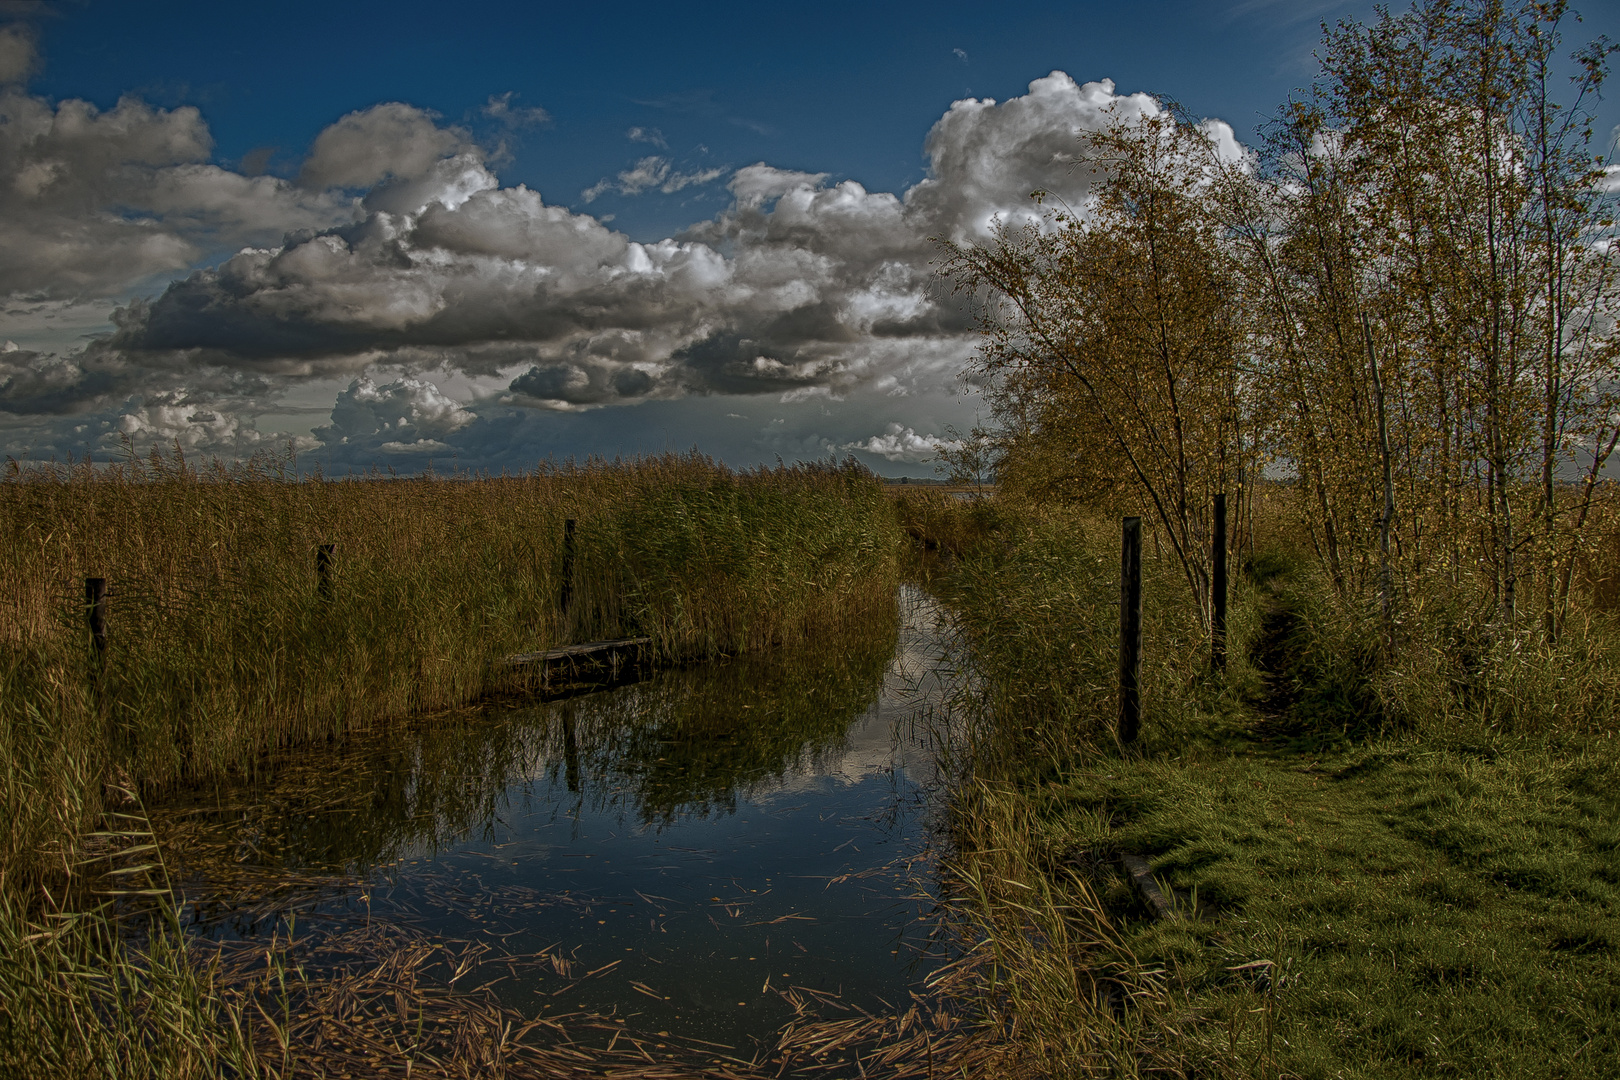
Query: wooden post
[(566, 593), (95, 612), (323, 570), (1217, 628), (1130, 630)]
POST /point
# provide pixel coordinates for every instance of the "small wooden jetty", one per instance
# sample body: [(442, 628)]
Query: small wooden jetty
[(590, 664)]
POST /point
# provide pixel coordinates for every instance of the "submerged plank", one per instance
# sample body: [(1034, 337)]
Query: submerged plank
[(591, 650)]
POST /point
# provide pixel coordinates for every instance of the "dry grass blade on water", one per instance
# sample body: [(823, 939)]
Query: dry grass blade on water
[(380, 1006), (932, 1037), (362, 995)]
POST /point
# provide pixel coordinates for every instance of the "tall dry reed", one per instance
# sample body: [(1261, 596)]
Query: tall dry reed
[(224, 647)]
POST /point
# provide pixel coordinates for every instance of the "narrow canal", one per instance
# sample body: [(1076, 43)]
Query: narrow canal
[(697, 854)]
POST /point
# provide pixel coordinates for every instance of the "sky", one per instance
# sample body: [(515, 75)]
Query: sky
[(479, 236)]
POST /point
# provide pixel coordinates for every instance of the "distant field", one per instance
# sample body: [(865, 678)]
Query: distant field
[(935, 484)]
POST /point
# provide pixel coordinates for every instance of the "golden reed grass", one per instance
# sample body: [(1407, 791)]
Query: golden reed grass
[(223, 647)]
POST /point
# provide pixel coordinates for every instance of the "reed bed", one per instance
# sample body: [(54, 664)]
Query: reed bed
[(942, 520), (226, 646), (83, 996), (80, 1001), (1034, 589)]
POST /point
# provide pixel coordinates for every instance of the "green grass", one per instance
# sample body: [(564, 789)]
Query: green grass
[(1403, 867), (1430, 913)]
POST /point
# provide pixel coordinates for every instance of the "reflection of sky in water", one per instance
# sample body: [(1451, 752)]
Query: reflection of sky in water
[(714, 834)]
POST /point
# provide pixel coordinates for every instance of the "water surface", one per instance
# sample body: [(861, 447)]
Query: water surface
[(681, 850)]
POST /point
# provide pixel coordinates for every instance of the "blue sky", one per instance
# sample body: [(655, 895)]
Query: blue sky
[(850, 92), (488, 233)]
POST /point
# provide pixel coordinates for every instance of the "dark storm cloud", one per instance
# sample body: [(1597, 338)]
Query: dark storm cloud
[(33, 383)]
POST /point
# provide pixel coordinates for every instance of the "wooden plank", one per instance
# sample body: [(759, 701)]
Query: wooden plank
[(591, 650), (1136, 868)]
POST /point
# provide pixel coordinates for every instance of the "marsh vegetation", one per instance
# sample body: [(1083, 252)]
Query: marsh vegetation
[(227, 652), (1386, 827), (1388, 336)]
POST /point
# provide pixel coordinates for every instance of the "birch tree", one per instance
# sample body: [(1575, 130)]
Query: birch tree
[(1114, 333)]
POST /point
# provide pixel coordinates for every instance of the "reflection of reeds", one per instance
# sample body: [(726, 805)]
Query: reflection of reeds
[(686, 742), (235, 844)]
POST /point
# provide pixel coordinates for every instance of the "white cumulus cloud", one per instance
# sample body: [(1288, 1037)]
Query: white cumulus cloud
[(399, 250), (407, 416), (654, 172), (900, 443)]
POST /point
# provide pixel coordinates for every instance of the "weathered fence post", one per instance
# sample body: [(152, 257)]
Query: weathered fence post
[(1217, 627), (323, 570), (1130, 630), (95, 612), (566, 593)]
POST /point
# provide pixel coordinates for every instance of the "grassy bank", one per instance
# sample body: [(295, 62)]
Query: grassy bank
[(224, 648), (1390, 861)]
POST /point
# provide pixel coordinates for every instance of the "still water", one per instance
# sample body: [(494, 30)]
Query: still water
[(680, 850)]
